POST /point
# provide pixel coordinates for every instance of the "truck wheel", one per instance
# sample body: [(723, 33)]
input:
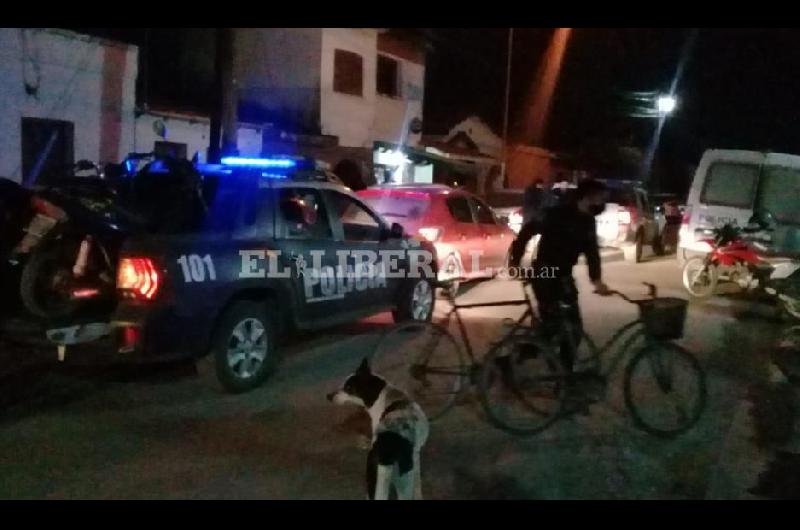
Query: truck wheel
[(416, 302), (244, 346), (639, 247)]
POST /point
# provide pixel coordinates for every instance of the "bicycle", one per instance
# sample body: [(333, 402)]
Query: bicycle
[(526, 363)]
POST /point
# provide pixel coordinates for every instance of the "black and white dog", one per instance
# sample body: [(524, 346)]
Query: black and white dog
[(399, 430)]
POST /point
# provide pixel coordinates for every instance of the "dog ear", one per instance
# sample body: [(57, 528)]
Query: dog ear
[(363, 368)]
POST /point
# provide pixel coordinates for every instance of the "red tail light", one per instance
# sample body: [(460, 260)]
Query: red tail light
[(138, 277)]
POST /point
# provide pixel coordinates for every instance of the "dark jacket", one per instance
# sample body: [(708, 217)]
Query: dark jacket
[(566, 234), (535, 201)]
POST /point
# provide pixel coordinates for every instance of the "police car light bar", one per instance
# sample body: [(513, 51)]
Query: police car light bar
[(258, 162)]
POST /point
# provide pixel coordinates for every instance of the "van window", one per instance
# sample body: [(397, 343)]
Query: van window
[(779, 193), (730, 184)]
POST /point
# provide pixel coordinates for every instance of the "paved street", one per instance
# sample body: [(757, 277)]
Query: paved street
[(82, 431)]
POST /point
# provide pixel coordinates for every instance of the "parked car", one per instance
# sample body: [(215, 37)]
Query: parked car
[(470, 241), (507, 206), (729, 186), (277, 251), (629, 220)]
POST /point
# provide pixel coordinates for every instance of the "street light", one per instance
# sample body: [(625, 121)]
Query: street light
[(666, 104)]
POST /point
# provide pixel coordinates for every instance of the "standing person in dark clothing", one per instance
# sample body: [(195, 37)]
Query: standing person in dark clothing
[(567, 231), (535, 201)]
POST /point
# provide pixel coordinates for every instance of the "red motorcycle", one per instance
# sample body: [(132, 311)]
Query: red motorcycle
[(738, 255)]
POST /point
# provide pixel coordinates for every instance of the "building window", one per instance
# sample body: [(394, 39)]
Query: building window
[(170, 149), (348, 73), (388, 80)]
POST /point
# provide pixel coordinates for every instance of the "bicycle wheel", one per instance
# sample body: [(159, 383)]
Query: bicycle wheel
[(424, 360), (521, 385), (665, 389)]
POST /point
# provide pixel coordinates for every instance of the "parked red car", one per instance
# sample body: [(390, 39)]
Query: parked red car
[(470, 241)]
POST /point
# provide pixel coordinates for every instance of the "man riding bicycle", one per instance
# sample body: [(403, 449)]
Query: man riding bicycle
[(567, 231)]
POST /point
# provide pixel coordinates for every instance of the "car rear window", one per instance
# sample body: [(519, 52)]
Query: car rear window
[(730, 184), (396, 208), (779, 193)]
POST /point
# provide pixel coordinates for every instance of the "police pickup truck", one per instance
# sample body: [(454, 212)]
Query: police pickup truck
[(281, 246)]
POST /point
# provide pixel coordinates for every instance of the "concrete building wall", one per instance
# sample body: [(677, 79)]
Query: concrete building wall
[(349, 117), (192, 131), (83, 80), (393, 115)]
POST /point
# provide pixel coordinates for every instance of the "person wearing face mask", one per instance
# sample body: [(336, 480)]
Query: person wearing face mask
[(567, 231)]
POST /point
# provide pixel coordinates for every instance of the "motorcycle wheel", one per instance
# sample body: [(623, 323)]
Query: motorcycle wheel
[(700, 278), (44, 281)]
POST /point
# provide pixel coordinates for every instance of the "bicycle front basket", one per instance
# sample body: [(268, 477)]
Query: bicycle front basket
[(664, 318)]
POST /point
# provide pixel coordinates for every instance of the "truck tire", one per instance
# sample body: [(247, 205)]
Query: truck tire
[(639, 247), (244, 346), (416, 301)]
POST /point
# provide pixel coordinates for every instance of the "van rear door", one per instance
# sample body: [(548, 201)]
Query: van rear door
[(779, 194), (723, 191)]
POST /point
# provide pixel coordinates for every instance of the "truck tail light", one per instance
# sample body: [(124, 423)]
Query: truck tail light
[(138, 277), (431, 234), (687, 215)]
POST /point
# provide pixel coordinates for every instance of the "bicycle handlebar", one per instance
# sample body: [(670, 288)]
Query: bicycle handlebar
[(652, 292)]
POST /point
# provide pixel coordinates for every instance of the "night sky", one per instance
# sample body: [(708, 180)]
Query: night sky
[(740, 87)]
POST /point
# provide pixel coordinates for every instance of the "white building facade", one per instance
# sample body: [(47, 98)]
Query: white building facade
[(65, 97)]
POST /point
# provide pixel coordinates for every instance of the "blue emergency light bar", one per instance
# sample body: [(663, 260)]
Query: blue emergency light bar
[(258, 162)]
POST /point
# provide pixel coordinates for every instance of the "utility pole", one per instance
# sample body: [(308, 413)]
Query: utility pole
[(224, 118), (505, 112)]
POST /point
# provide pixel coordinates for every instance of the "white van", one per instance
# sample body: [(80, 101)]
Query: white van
[(729, 185)]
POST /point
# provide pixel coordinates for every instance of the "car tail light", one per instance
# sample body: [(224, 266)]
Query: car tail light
[(138, 277), (687, 215), (431, 234), (624, 216)]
